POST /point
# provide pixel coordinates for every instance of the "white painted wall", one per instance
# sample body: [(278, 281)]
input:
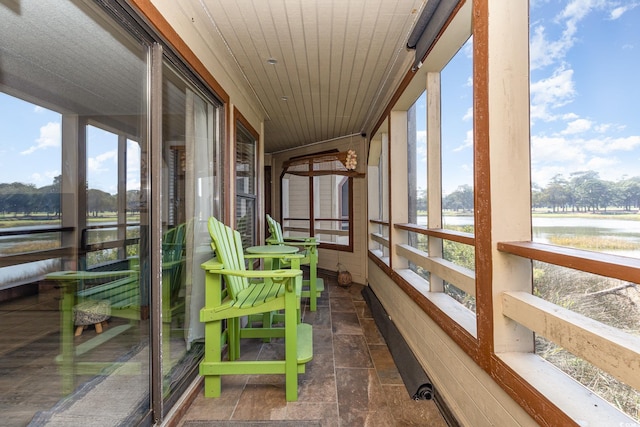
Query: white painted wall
[(355, 262)]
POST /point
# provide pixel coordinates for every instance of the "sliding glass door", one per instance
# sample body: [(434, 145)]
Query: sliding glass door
[(109, 171)]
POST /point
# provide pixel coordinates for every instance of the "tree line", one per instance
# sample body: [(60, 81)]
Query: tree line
[(26, 199), (582, 191)]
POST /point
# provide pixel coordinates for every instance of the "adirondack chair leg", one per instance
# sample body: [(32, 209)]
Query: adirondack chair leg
[(291, 345), (233, 328), (212, 353), (213, 338), (267, 322), (313, 292)]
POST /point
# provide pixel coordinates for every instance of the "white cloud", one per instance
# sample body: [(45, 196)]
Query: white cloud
[(576, 10), (44, 178), (468, 141), (601, 163), (468, 115), (552, 92), (617, 12), (543, 52), (556, 149), (96, 164), (551, 156), (577, 126), (610, 145), (49, 137), (542, 175), (570, 116)]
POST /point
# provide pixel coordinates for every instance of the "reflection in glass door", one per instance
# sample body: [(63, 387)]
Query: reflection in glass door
[(189, 189), (74, 321)]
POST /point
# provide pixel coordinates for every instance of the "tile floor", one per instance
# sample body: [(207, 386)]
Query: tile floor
[(351, 381)]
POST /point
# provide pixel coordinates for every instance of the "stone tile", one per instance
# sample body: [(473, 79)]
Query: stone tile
[(385, 366), (318, 383), (320, 319), (261, 402), (337, 291), (362, 309), (346, 323), (322, 342), (210, 408), (351, 351), (355, 290), (371, 332), (342, 305), (312, 411), (358, 391)]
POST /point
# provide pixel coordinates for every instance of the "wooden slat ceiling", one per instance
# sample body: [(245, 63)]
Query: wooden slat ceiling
[(338, 61)]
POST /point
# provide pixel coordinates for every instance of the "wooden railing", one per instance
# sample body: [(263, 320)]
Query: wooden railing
[(607, 347), (38, 255), (615, 266)]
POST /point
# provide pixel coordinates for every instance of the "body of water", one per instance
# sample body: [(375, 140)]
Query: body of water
[(544, 228)]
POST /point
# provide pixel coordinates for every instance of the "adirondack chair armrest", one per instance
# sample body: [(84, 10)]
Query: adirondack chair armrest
[(257, 274), (72, 275), (312, 241), (212, 264)]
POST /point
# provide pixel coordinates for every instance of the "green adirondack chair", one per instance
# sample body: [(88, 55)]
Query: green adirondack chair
[(243, 296), (173, 262), (314, 286)]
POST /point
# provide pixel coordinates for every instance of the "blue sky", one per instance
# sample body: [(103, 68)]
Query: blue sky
[(30, 149), (584, 58), (584, 106)]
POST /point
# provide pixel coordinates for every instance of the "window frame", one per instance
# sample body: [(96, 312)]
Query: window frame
[(243, 127), (508, 314), (311, 173)]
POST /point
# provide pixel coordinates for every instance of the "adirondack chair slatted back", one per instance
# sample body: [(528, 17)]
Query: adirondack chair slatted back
[(173, 251), (275, 229), (308, 246), (227, 244)]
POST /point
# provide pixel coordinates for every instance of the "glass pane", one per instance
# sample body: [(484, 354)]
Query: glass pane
[(584, 131), (245, 185), (331, 204), (245, 162), (295, 205), (190, 138), (584, 156), (417, 176), (383, 176), (457, 138), (245, 220), (417, 162), (72, 329)]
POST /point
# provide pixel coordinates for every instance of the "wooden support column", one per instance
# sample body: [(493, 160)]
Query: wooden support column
[(398, 183)]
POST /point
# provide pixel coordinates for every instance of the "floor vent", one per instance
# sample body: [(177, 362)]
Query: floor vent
[(415, 379)]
